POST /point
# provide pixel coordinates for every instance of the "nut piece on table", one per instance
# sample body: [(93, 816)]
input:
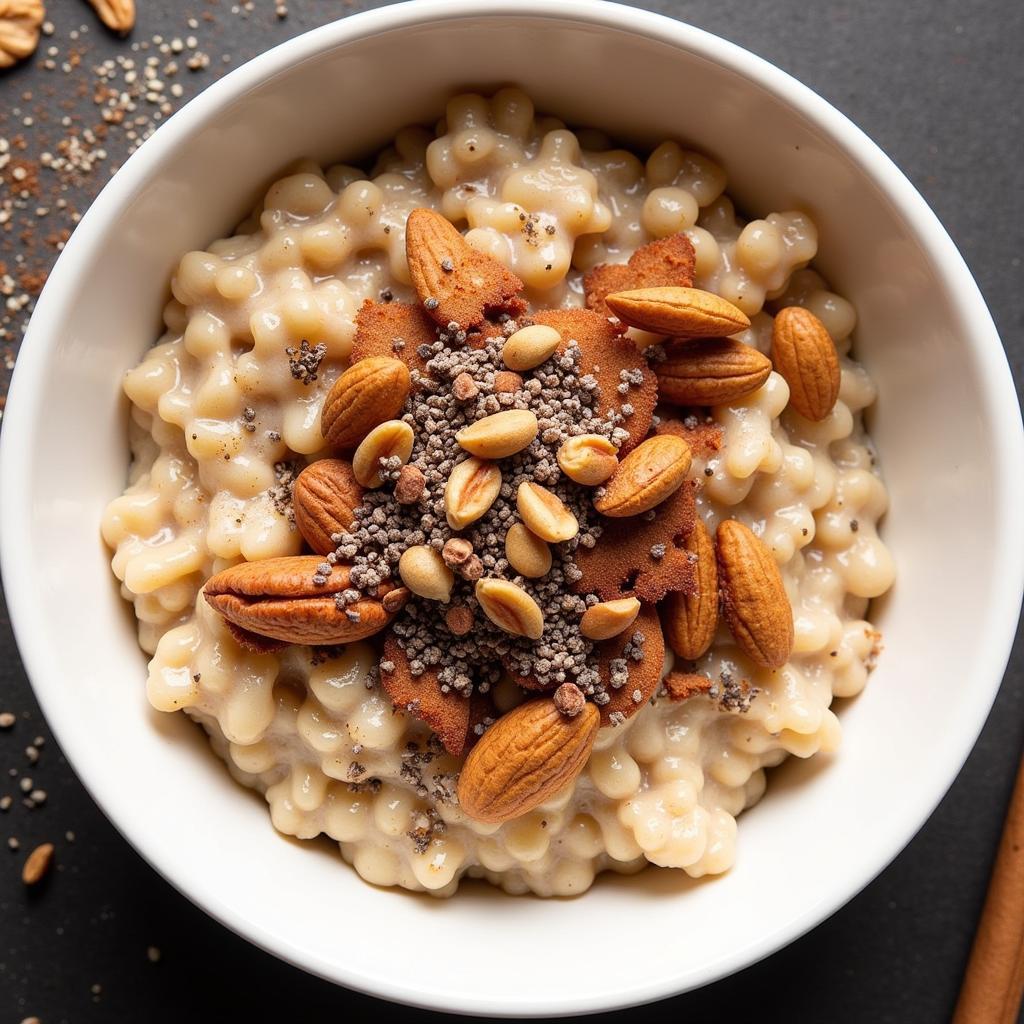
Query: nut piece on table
[(499, 435), (754, 600), (525, 758), (545, 514), (678, 312), (609, 618), (423, 571), (588, 459), (646, 477), (510, 608), (470, 491), (325, 497), (391, 439), (526, 552), (366, 394), (530, 346), (803, 352)]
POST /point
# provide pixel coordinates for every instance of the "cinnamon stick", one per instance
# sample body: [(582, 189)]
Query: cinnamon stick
[(994, 980)]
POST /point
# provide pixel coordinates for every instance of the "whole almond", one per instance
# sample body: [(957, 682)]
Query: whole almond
[(510, 607), (37, 864), (804, 354), (499, 435), (690, 620), (609, 618), (279, 598), (526, 552), (678, 312), (710, 371), (367, 393), (324, 498), (423, 571), (470, 491), (525, 758), (647, 476), (754, 600), (588, 459), (545, 514), (391, 439), (530, 346), (454, 281)]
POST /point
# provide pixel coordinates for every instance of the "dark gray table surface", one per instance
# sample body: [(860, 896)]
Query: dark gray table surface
[(939, 86)]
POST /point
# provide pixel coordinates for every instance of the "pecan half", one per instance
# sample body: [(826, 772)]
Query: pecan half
[(278, 598)]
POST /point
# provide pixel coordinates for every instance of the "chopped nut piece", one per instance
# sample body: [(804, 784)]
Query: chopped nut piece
[(456, 552), (569, 699), (459, 619), (506, 382), (464, 387), (409, 485)]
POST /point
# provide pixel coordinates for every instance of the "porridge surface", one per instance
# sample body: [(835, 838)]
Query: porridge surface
[(225, 410)]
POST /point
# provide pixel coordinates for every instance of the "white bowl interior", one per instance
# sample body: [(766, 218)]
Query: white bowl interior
[(946, 427)]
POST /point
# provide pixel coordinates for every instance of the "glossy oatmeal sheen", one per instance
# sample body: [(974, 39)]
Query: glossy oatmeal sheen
[(226, 409)]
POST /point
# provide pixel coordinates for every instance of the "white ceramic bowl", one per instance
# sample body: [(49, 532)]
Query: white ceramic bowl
[(946, 424)]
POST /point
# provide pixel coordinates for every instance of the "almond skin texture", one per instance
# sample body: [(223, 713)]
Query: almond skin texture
[(364, 396), (525, 758), (678, 312), (754, 600), (690, 620), (325, 497), (646, 477), (804, 354), (277, 598), (453, 280), (710, 371)]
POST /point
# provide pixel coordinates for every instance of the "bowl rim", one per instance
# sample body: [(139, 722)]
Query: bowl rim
[(25, 396)]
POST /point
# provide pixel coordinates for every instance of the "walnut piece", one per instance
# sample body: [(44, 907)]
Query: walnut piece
[(117, 15), (19, 29)]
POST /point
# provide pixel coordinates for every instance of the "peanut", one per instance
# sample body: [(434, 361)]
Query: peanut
[(544, 513), (423, 571), (499, 435), (470, 491), (526, 552), (390, 439), (588, 459)]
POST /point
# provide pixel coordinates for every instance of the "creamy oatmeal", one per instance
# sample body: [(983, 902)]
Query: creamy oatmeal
[(228, 408)]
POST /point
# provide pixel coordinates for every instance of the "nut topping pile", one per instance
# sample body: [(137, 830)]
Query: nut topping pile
[(498, 505)]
